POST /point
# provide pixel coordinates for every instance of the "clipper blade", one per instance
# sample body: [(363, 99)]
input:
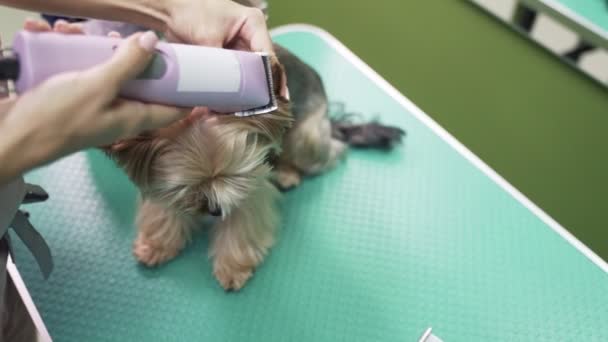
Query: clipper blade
[(273, 104)]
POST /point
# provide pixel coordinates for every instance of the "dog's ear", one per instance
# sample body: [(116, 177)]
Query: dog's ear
[(135, 156)]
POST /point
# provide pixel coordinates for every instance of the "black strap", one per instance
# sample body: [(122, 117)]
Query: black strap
[(24, 193), (34, 242), (9, 68)]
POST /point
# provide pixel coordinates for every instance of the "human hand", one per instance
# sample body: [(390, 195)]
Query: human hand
[(218, 23), (60, 26), (35, 25), (77, 110)]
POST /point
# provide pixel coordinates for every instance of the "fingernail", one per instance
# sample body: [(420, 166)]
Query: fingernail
[(148, 41), (285, 93)]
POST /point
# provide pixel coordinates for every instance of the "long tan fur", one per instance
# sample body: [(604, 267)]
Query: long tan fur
[(222, 165), (208, 164)]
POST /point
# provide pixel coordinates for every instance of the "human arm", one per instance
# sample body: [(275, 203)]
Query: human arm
[(77, 110), (220, 23)]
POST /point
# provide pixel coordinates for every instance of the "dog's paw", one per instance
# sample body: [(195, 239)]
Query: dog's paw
[(287, 179), (151, 254), (232, 280)]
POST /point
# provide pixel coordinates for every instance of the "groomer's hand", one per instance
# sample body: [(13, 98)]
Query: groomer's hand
[(77, 110), (207, 22), (219, 23)]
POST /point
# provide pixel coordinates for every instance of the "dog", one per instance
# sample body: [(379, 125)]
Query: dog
[(233, 168)]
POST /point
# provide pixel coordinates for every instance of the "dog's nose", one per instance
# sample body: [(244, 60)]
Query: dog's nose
[(215, 212)]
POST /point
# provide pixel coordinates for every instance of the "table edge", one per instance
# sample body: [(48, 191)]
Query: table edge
[(13, 272)]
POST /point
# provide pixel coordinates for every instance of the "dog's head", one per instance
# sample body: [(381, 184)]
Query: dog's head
[(207, 163)]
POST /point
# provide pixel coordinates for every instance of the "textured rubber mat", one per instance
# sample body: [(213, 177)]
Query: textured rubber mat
[(379, 249)]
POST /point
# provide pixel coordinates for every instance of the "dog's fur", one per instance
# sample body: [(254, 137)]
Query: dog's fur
[(225, 166), (208, 164)]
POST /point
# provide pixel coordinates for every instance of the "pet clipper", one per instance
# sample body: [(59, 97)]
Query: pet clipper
[(225, 81)]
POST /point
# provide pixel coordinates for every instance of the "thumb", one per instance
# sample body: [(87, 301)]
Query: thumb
[(131, 117), (6, 104), (131, 58)]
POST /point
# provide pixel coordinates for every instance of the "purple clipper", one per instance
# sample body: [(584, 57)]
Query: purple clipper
[(226, 81)]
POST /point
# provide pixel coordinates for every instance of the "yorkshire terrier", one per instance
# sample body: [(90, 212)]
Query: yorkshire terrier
[(230, 167)]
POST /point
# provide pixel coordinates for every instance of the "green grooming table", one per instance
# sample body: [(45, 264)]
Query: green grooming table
[(381, 248)]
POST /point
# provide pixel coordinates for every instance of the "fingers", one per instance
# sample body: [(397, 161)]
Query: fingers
[(256, 31), (260, 42), (35, 25), (171, 37), (114, 34), (131, 57), (284, 91), (63, 26), (134, 117), (6, 104)]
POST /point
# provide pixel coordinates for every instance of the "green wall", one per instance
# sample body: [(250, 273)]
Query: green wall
[(539, 123)]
